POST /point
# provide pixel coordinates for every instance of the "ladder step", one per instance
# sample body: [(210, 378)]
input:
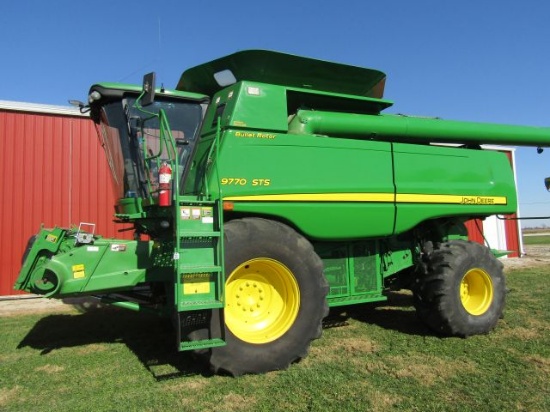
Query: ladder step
[(185, 202), (199, 305), (201, 344), (185, 269), (195, 234)]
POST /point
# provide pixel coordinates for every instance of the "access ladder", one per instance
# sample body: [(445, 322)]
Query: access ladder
[(199, 273)]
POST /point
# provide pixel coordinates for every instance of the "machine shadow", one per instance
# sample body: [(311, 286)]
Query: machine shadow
[(397, 314), (149, 337), (152, 338)]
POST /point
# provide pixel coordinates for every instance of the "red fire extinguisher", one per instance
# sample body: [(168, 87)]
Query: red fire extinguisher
[(165, 180)]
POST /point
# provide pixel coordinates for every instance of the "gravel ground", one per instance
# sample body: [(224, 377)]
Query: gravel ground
[(31, 304), (17, 305), (535, 255)]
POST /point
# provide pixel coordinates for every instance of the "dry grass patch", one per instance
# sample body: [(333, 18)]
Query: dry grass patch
[(541, 363), (7, 395), (12, 357), (186, 385), (521, 333), (350, 348), (50, 369), (236, 402), (533, 329), (425, 370), (354, 346), (381, 401)]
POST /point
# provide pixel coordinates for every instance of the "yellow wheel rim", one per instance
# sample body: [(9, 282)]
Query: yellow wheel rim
[(262, 300), (476, 291)]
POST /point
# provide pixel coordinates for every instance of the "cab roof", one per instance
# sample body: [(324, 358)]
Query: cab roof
[(285, 70)]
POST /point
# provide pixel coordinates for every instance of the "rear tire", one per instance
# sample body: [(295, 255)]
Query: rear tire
[(462, 292), (275, 298)]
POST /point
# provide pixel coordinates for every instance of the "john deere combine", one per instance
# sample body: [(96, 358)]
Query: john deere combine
[(267, 188)]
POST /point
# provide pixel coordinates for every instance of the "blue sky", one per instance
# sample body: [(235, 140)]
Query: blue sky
[(485, 61)]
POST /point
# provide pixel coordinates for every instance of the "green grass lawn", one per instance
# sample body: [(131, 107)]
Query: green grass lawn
[(536, 240), (382, 359)]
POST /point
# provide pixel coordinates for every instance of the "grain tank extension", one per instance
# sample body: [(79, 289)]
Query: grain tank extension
[(267, 188)]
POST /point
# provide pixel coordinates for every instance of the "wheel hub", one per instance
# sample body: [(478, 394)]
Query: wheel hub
[(250, 296), (262, 300), (476, 291)]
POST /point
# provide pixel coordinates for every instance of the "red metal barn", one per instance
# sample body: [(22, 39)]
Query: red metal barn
[(54, 172), (499, 232)]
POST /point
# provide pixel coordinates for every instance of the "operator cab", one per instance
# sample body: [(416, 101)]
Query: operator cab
[(137, 140)]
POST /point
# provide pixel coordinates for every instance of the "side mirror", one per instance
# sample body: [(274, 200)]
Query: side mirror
[(148, 89), (547, 183)]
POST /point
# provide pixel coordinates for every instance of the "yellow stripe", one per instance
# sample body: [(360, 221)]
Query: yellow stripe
[(452, 199), (317, 197), (374, 197)]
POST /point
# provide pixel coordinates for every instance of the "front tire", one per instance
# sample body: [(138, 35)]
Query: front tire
[(275, 298), (462, 292)]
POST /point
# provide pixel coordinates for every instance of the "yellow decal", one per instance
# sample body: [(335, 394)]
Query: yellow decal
[(233, 181), (452, 199), (252, 135), (197, 283), (483, 200), (319, 197), (376, 197), (261, 182), (78, 271), (51, 238), (241, 181)]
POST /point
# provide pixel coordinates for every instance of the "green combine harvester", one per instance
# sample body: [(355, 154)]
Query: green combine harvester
[(268, 188)]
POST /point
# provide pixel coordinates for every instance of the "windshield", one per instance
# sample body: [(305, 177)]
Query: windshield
[(131, 139)]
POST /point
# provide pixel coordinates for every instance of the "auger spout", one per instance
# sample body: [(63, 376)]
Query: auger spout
[(415, 129)]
